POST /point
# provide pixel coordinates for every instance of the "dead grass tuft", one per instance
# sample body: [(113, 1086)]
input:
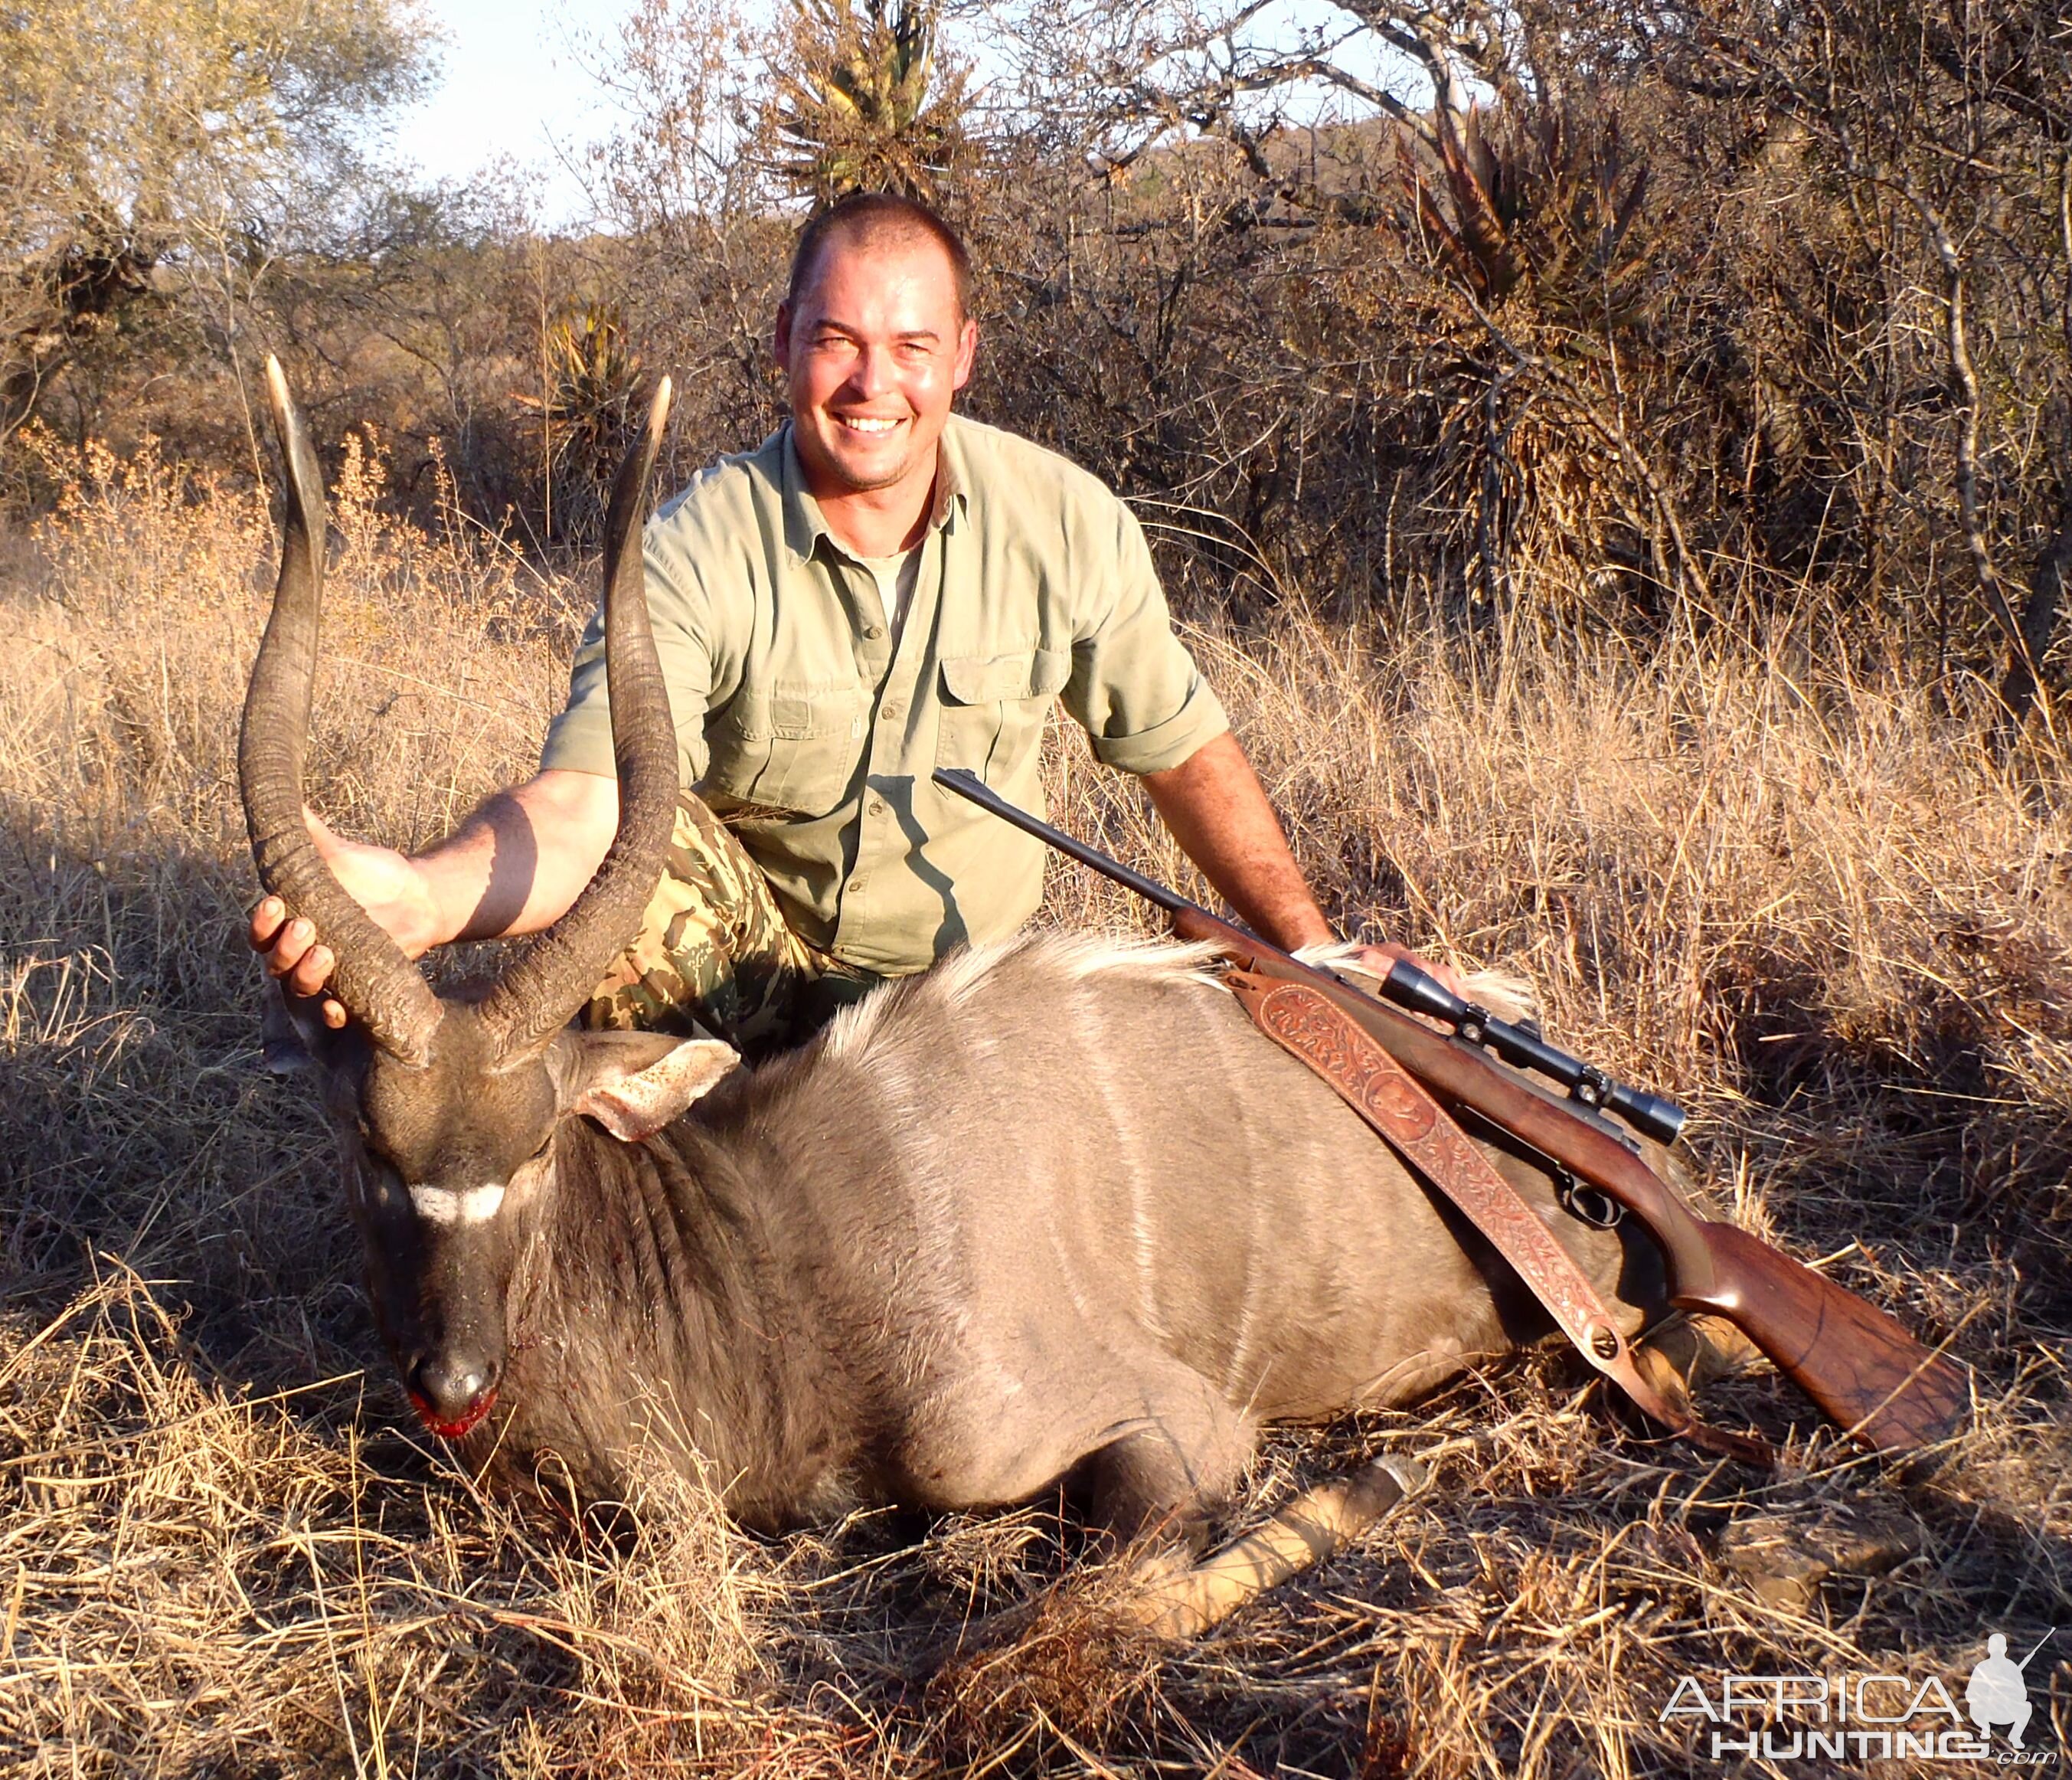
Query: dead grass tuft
[(1071, 1674), (1762, 874)]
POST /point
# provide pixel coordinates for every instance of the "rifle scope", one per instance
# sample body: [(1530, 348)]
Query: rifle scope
[(1650, 1115)]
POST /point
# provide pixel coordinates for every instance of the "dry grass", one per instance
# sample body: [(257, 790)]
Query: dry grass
[(1769, 879)]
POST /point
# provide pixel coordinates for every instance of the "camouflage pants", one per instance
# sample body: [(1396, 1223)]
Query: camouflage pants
[(713, 951)]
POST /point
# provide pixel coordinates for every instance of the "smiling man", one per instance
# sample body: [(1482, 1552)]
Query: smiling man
[(881, 588)]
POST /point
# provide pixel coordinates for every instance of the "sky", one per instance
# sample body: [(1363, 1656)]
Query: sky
[(509, 86), (512, 86)]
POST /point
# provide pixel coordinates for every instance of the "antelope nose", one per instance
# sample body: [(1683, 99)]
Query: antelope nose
[(452, 1392)]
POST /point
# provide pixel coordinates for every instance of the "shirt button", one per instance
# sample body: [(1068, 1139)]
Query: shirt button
[(877, 806), (874, 632), (855, 884), (890, 713)]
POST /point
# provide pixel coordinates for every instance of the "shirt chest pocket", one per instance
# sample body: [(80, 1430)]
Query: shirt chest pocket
[(994, 707), (792, 747)]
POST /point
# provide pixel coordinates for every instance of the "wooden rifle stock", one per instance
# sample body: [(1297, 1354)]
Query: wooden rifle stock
[(1862, 1368), (1865, 1371)]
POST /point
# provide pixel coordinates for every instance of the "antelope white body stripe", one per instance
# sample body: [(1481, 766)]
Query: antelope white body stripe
[(458, 1204)]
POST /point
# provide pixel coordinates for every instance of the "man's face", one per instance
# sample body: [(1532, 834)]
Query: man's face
[(875, 350)]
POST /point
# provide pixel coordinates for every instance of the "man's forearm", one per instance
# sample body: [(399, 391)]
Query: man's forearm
[(515, 865), (1218, 811)]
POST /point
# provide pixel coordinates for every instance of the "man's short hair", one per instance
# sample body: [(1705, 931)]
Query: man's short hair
[(870, 218)]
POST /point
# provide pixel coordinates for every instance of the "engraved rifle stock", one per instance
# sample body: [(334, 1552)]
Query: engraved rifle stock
[(1857, 1363)]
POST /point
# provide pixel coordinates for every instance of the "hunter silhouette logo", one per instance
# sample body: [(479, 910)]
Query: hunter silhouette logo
[(1868, 1717), (1998, 1692)]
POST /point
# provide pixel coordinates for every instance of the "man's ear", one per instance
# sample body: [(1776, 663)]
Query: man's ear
[(634, 1083), (967, 353)]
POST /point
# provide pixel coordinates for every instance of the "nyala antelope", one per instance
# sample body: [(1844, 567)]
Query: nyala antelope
[(1050, 1214)]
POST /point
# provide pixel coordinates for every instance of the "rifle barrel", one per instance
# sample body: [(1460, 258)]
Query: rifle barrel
[(1865, 1371), (1405, 985), (967, 783)]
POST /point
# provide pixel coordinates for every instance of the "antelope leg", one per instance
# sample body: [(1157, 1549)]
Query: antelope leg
[(1309, 1529)]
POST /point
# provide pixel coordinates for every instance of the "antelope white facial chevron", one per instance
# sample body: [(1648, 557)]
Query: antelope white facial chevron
[(458, 1205)]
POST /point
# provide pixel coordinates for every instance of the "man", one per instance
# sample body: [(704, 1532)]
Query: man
[(879, 589)]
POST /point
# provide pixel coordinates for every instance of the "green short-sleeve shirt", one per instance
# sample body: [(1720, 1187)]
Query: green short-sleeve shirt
[(812, 730)]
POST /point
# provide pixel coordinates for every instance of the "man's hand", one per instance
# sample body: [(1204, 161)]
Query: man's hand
[(1380, 959), (513, 867), (1217, 809), (390, 887), (1508, 996)]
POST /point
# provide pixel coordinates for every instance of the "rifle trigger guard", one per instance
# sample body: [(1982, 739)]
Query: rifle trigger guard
[(1587, 1204)]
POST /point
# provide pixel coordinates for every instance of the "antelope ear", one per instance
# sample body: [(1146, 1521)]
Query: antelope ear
[(634, 1083), (286, 1047), (294, 1040)]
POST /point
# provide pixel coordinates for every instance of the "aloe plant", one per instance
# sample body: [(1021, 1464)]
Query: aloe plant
[(855, 112), (1544, 201)]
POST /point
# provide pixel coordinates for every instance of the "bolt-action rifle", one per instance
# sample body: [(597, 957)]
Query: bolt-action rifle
[(1855, 1362)]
